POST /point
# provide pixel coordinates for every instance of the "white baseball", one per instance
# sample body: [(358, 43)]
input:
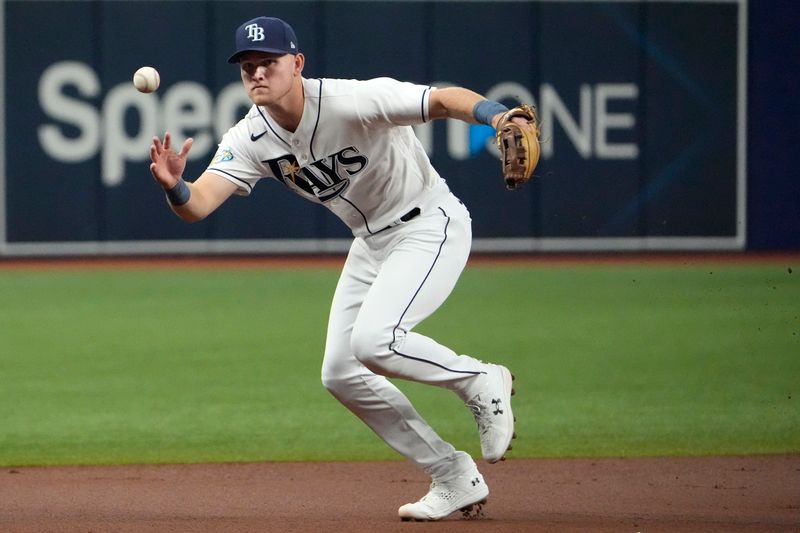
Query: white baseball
[(146, 79)]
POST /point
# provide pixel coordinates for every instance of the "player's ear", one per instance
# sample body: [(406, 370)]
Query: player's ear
[(299, 63)]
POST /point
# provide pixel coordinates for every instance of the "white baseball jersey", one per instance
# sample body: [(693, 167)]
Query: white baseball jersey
[(354, 151)]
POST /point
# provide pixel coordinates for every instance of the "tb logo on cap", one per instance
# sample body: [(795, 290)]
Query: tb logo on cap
[(255, 32)]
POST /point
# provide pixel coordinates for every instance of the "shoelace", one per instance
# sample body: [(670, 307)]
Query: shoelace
[(439, 491), (430, 492), (479, 412)]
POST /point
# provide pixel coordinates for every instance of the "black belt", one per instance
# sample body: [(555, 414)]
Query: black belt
[(405, 218)]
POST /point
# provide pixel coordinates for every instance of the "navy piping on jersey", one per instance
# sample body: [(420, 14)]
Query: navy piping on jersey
[(271, 128), (397, 326), (359, 212), (319, 109), (422, 104), (240, 180)]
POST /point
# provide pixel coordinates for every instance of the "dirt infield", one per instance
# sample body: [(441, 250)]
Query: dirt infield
[(783, 259), (679, 494)]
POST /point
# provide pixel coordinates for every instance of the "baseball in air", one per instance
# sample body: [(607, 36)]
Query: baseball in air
[(146, 79)]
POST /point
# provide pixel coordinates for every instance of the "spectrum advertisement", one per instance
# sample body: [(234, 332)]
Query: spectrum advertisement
[(642, 118)]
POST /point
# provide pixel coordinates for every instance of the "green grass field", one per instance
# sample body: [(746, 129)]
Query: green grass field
[(131, 366)]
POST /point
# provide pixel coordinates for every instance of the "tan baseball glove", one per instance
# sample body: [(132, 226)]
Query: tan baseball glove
[(519, 145)]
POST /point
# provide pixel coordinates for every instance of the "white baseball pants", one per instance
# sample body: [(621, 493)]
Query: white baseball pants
[(392, 281)]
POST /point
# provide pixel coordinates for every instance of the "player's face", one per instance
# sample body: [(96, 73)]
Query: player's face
[(269, 77)]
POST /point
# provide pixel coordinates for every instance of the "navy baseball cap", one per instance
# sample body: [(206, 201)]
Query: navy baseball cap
[(264, 34)]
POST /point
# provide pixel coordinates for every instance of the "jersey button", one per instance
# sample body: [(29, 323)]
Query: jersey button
[(304, 157), (296, 142)]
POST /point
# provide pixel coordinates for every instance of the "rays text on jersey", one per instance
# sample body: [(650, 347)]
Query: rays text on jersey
[(325, 178)]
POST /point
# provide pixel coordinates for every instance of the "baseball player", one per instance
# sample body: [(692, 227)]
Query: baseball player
[(349, 145)]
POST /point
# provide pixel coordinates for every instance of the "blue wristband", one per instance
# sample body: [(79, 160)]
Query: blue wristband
[(485, 110), (179, 194)]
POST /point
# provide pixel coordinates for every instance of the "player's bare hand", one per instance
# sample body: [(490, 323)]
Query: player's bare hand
[(167, 166)]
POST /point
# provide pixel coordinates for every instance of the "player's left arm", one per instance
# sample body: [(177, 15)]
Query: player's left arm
[(517, 129), (458, 103)]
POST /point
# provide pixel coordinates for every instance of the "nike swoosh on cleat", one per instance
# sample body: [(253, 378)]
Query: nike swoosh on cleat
[(254, 138)]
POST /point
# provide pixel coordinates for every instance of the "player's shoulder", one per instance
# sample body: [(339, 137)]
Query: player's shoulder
[(337, 87), (253, 122), (329, 87)]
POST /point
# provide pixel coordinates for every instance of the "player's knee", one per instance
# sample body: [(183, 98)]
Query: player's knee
[(337, 384), (334, 384), (334, 377), (370, 346)]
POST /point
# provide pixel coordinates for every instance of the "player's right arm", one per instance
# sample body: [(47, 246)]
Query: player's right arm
[(207, 193), (190, 201)]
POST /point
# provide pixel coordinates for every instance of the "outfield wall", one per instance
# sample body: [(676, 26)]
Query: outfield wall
[(644, 107)]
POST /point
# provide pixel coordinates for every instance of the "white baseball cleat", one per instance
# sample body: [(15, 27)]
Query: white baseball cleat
[(466, 493), (492, 410)]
